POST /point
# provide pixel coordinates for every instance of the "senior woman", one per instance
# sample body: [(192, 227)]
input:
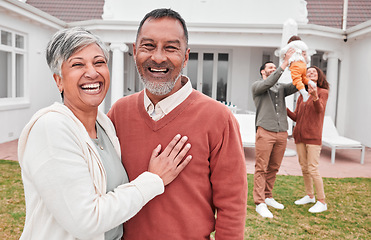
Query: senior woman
[(75, 184), (307, 133)]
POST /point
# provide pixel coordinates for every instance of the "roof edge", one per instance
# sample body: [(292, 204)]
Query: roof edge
[(32, 13)]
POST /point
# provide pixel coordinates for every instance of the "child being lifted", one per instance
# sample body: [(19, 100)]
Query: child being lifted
[(298, 65)]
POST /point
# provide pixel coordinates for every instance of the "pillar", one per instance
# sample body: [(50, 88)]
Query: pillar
[(332, 78), (117, 74)]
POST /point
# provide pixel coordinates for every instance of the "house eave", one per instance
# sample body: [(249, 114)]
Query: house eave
[(32, 14)]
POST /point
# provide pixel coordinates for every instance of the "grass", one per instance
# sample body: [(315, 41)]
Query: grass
[(348, 217), (12, 204)]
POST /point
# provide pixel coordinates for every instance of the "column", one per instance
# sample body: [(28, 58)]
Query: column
[(332, 78), (117, 74)]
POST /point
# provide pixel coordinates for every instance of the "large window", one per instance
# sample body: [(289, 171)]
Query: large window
[(209, 73), (12, 64)]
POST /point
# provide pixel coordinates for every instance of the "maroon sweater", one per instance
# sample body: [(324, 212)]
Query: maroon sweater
[(213, 182), (309, 117)]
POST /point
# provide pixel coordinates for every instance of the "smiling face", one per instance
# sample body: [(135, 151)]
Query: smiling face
[(85, 79), (312, 74), (268, 70), (160, 54)]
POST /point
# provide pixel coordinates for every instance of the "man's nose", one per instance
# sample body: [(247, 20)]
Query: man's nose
[(159, 56)]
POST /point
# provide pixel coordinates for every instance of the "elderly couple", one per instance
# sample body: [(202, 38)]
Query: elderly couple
[(125, 176)]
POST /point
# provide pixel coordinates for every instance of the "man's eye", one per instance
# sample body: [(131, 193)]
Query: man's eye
[(77, 64), (171, 48), (148, 45)]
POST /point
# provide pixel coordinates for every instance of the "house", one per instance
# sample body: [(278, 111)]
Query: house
[(229, 40)]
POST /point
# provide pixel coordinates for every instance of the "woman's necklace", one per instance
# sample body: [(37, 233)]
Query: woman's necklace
[(98, 140)]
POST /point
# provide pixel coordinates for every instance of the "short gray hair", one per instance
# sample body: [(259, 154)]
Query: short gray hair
[(66, 42)]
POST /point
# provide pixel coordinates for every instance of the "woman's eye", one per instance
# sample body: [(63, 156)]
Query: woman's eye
[(77, 64)]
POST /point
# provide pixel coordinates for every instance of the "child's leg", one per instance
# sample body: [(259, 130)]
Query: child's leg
[(297, 75), (305, 80)]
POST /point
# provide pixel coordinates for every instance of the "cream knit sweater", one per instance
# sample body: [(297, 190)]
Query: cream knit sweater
[(65, 182)]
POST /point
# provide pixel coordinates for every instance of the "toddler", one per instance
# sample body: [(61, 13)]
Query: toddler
[(298, 65)]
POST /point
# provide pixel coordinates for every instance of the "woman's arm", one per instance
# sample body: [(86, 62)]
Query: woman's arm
[(55, 160), (319, 99), (291, 115)]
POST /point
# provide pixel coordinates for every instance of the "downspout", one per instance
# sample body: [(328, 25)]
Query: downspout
[(345, 16)]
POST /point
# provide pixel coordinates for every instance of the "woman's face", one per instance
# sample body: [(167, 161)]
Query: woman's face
[(312, 74), (85, 79)]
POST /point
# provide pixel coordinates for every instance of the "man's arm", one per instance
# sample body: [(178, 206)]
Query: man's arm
[(289, 89), (260, 87), (229, 183)]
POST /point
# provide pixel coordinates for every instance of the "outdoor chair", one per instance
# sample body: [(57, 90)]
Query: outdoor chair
[(247, 129), (332, 139)]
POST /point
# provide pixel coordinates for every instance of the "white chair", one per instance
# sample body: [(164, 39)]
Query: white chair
[(332, 139), (247, 129)]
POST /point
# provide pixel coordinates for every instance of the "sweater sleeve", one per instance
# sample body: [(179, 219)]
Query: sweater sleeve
[(55, 162), (320, 104), (229, 183), (260, 87), (291, 115)]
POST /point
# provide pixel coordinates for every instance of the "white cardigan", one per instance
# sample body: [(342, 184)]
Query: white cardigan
[(65, 182)]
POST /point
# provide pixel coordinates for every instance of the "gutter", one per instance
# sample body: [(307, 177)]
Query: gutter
[(345, 17)]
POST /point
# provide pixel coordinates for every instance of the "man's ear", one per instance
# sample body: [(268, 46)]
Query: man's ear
[(58, 81), (186, 58), (134, 52), (262, 73)]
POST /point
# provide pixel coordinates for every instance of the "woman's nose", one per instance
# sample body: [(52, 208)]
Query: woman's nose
[(91, 72)]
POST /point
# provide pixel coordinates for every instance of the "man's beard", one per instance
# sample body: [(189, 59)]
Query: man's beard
[(268, 73), (159, 88)]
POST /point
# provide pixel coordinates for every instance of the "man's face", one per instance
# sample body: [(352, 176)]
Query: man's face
[(161, 53), (268, 70)]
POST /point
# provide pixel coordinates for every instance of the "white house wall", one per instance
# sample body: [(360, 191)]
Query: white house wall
[(212, 11), (40, 86), (355, 116)]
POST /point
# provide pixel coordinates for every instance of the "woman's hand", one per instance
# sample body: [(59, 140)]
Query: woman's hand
[(169, 163), (313, 91)]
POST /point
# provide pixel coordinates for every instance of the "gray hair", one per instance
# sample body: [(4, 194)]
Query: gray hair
[(161, 13), (66, 42)]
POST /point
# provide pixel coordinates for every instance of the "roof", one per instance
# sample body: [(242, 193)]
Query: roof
[(71, 10), (330, 12), (320, 12)]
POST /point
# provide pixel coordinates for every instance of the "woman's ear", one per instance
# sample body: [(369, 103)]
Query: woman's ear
[(59, 82)]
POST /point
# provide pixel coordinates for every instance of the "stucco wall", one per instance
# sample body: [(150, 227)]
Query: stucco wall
[(212, 11), (357, 108), (40, 86)]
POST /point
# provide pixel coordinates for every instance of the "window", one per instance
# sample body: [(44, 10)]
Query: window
[(12, 65), (209, 73)]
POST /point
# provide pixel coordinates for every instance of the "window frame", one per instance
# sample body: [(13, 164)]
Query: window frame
[(215, 53), (12, 101)]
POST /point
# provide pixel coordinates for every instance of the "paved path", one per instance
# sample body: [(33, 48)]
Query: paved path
[(347, 162)]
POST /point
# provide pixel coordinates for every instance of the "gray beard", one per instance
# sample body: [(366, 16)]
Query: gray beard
[(159, 88)]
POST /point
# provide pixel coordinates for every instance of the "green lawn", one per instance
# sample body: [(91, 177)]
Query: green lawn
[(349, 200)]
